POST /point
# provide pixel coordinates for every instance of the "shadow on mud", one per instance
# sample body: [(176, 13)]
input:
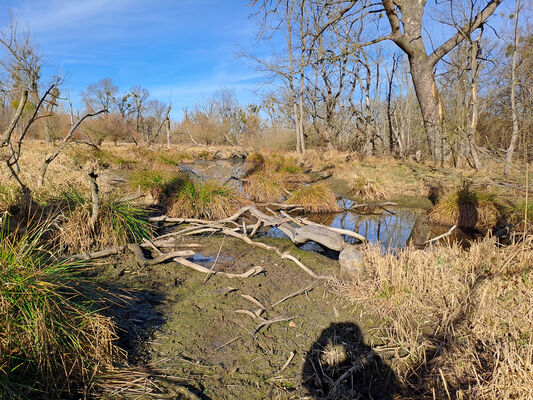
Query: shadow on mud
[(136, 316), (339, 365)]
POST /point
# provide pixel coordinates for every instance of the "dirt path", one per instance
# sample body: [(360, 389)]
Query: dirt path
[(187, 329)]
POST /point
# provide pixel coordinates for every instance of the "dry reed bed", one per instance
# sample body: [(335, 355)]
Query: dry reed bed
[(460, 321)]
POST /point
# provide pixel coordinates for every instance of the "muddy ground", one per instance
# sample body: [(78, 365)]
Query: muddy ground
[(184, 328)]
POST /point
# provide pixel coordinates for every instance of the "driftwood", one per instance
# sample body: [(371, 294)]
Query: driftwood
[(373, 205), (306, 289), (98, 254), (291, 356), (251, 272), (443, 235), (139, 256), (298, 230)]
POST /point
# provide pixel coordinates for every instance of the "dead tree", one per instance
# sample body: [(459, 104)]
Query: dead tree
[(514, 134), (51, 157)]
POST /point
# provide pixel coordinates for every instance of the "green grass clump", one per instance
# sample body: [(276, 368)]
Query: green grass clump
[(208, 200), (467, 207), (285, 164), (314, 198), (172, 158), (159, 184), (10, 198), (51, 342), (518, 211), (119, 222)]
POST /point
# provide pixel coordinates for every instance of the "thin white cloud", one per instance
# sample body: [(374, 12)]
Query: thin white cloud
[(58, 15)]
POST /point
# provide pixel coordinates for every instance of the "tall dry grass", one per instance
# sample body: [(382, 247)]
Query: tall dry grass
[(459, 322)]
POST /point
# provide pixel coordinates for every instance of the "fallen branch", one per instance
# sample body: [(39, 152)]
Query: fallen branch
[(374, 205), (251, 272), (229, 342), (359, 365), (270, 322), (299, 292), (443, 235), (272, 248), (249, 313), (97, 254), (291, 356), (253, 300), (143, 261)]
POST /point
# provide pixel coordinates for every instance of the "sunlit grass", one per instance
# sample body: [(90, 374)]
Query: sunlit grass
[(209, 200), (119, 222), (314, 198), (466, 310), (467, 207), (51, 342)]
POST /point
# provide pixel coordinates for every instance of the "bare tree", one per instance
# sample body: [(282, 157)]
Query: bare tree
[(514, 114), (51, 157), (100, 95)]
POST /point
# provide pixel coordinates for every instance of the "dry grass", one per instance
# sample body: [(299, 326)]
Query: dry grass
[(264, 186), (460, 322), (269, 176), (208, 200), (314, 198), (467, 207)]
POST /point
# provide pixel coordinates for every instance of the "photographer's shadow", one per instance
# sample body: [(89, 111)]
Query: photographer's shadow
[(339, 365)]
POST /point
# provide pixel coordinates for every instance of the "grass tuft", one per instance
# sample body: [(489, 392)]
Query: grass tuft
[(51, 342), (315, 198), (467, 207), (157, 183), (208, 200), (265, 186), (10, 199), (119, 222)]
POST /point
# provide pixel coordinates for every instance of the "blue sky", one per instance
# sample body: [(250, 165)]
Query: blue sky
[(181, 50)]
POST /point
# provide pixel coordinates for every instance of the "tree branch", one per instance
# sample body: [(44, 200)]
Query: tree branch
[(463, 32)]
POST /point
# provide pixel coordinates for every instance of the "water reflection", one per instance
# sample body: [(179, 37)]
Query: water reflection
[(391, 229)]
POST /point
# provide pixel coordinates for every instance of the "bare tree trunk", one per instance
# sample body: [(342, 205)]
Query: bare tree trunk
[(291, 76), (474, 66), (389, 107), (302, 76), (514, 134), (424, 84), (167, 126), (92, 174), (6, 136)]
